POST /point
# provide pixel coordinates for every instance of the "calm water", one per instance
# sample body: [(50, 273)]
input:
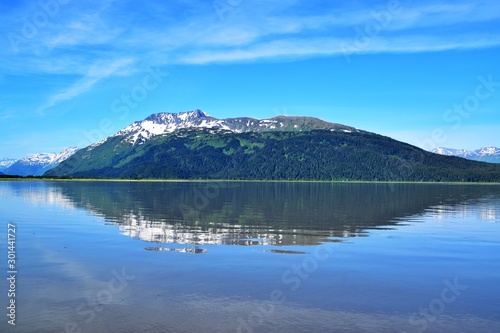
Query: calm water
[(252, 257)]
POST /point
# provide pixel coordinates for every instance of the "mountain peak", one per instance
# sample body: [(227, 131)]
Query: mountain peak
[(163, 123), (199, 113), (185, 115)]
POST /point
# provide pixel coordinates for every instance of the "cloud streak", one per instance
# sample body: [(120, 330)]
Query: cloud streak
[(299, 48), (106, 34), (94, 75), (121, 34)]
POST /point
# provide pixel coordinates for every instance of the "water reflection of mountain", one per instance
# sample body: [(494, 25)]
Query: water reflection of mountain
[(252, 213)]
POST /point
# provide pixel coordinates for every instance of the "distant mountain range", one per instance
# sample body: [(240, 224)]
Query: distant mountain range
[(6, 162), (35, 164), (195, 145), (487, 154)]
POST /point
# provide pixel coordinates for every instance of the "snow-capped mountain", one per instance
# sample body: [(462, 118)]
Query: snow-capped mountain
[(162, 123), (5, 163), (487, 154), (38, 164)]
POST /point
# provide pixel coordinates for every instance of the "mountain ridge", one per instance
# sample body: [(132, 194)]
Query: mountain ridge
[(6, 163), (37, 164), (485, 154), (194, 145), (164, 122)]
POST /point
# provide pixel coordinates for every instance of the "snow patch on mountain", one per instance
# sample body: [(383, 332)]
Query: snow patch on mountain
[(38, 164), (6, 162), (486, 154), (488, 151), (163, 123)]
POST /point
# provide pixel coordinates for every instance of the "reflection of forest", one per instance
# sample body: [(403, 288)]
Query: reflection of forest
[(251, 213)]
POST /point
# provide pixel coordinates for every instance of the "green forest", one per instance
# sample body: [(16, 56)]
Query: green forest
[(280, 155)]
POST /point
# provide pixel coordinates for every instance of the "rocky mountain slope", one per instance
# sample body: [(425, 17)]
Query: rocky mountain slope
[(163, 123)]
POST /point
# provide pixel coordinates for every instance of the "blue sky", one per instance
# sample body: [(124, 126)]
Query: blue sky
[(423, 72)]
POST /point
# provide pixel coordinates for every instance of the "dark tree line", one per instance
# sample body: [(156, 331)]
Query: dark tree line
[(311, 155)]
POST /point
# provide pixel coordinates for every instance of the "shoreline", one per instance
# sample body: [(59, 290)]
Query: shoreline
[(242, 180)]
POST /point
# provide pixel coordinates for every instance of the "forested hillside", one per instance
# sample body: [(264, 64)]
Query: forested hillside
[(308, 155)]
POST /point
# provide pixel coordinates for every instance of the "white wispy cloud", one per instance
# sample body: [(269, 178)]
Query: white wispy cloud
[(7, 114), (95, 74), (412, 28), (121, 34), (300, 48), (80, 35)]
